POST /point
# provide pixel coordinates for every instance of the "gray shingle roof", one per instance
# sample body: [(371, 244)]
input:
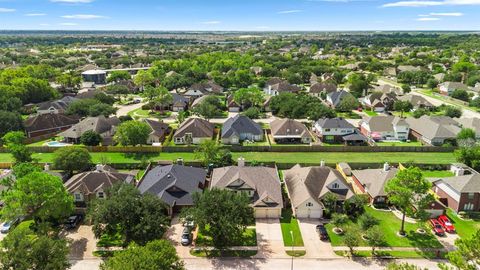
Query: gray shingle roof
[(288, 127), (99, 124), (93, 181), (462, 184), (337, 122), (199, 128), (337, 96), (240, 124), (374, 180), (174, 184), (49, 121), (435, 126)]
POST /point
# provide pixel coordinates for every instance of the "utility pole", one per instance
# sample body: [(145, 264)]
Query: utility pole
[(293, 251)]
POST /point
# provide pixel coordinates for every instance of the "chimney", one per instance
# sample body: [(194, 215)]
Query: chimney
[(179, 161), (241, 162), (46, 167), (386, 167), (322, 163), (99, 167)]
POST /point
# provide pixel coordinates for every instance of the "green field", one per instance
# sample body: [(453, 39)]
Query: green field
[(280, 157), (464, 228)]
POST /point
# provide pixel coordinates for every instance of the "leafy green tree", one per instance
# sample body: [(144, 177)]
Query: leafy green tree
[(464, 67), (355, 205), (39, 195), (403, 266), (470, 156), (248, 97), (352, 239), (10, 121), (164, 98), (452, 112), (143, 78), (402, 106), (347, 104), (432, 83), (72, 159), (119, 75), (132, 133), (90, 107), (14, 141), (158, 254), (101, 109), (22, 249), (338, 220), (409, 189), (226, 214), (209, 108), (90, 138), (466, 133), (330, 202), (467, 254), (138, 218), (358, 84), (419, 113), (461, 95), (22, 169), (69, 80), (207, 152), (252, 113), (367, 221), (14, 137), (150, 92), (375, 238)]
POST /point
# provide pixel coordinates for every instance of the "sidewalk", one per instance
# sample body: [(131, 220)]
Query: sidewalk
[(344, 248)]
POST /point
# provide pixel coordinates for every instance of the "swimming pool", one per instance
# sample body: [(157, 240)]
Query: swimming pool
[(57, 144)]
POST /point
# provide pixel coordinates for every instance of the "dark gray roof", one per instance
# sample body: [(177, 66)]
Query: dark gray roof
[(49, 121), (174, 184), (355, 137), (323, 87), (240, 124), (334, 123), (199, 128), (159, 128), (91, 182), (337, 96)]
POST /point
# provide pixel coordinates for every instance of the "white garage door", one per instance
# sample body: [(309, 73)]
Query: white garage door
[(266, 213), (308, 213)]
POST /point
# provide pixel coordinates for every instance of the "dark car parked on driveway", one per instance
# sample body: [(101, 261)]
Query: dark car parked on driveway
[(73, 221), (322, 232)]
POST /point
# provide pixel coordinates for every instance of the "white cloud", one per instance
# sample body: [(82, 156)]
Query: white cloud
[(427, 19), (83, 16), (72, 1), (6, 10), (447, 14), (212, 22), (431, 3), (69, 24), (289, 11), (35, 14)]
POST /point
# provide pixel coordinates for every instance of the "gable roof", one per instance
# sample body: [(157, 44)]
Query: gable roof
[(240, 124), (374, 180), (337, 122), (60, 104), (197, 126), (49, 121), (263, 180), (285, 86), (174, 184), (337, 96), (473, 123), (158, 128), (288, 128), (305, 183), (98, 180), (99, 124), (462, 184), (207, 87), (435, 126), (322, 87), (384, 123), (416, 100)]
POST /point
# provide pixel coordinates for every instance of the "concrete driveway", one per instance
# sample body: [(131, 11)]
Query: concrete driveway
[(174, 234), (269, 239), (448, 241), (313, 245), (83, 243)]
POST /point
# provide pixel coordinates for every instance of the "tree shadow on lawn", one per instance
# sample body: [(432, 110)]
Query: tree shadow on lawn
[(423, 241), (140, 156)]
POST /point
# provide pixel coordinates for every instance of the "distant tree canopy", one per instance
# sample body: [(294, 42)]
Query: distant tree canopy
[(299, 107)]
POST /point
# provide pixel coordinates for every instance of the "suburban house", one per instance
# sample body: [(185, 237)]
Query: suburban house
[(434, 130), (334, 98), (332, 130), (159, 131), (261, 184), (318, 88), (101, 125), (202, 89), (385, 128), (372, 182), (174, 184), (379, 102), (388, 89), (232, 105), (94, 184), (289, 131), (197, 101), (460, 192), (240, 128), (51, 123), (307, 186), (417, 101), (275, 86), (447, 88), (472, 123), (57, 106), (179, 103), (193, 131)]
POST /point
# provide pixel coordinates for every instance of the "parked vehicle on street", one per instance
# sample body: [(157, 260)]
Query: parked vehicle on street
[(446, 223), (437, 227), (322, 232), (8, 225), (73, 221)]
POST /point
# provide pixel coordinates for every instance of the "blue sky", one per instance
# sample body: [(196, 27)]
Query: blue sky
[(250, 15)]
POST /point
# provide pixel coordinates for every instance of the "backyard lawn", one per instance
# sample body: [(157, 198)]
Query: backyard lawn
[(445, 173), (399, 144), (390, 225), (280, 157), (249, 239), (290, 224), (465, 228), (370, 113)]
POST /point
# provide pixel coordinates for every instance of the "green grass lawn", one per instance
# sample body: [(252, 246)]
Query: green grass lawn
[(107, 240), (400, 254), (139, 113), (465, 228), (249, 239), (225, 253), (349, 115), (296, 253), (280, 157), (390, 225), (399, 144), (445, 173), (370, 113), (290, 224)]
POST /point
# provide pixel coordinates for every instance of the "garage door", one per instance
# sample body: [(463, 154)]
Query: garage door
[(266, 213), (308, 213)]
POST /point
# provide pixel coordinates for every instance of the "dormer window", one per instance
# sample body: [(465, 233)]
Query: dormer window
[(78, 197), (335, 185), (101, 195)]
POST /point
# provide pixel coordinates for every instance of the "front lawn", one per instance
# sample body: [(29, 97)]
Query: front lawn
[(249, 239), (465, 228), (139, 113), (400, 254), (390, 225), (224, 253), (289, 224)]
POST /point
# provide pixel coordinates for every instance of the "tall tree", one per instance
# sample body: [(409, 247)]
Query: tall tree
[(72, 159), (14, 141), (402, 106), (347, 104), (409, 189), (143, 78), (158, 254), (10, 121), (132, 133), (163, 99), (248, 97)]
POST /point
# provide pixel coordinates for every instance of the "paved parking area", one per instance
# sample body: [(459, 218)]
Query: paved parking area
[(269, 239), (83, 243), (174, 234), (448, 241), (314, 247)]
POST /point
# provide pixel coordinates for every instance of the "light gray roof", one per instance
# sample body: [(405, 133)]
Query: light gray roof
[(337, 122), (374, 180), (288, 128), (263, 180), (455, 85), (416, 100), (473, 123), (314, 182), (174, 184), (462, 184), (199, 128), (323, 87), (435, 126), (384, 123), (240, 124), (99, 124)]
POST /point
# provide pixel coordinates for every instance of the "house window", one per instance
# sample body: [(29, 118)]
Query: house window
[(327, 130), (309, 204), (335, 185), (78, 197), (468, 207), (101, 195), (471, 196)]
